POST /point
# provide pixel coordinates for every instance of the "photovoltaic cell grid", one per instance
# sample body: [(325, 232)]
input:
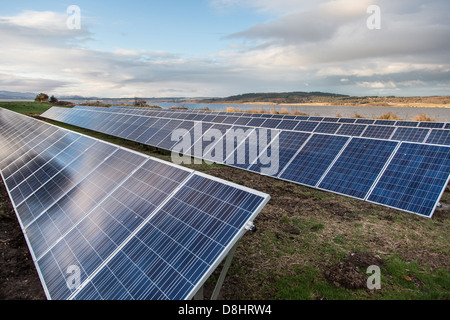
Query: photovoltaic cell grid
[(135, 227), (344, 164), (439, 125), (343, 126)]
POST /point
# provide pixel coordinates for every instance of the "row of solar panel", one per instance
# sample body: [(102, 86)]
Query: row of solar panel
[(402, 175), (382, 122), (133, 226), (427, 135)]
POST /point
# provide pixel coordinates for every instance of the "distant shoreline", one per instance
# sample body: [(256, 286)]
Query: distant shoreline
[(318, 104)]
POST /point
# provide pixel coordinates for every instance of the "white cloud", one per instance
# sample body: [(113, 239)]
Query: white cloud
[(317, 46), (377, 84)]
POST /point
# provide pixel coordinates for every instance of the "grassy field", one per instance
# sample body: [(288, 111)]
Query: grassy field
[(312, 244), (26, 107)]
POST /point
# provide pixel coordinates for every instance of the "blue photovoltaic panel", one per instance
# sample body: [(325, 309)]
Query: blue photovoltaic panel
[(107, 226), (349, 129), (151, 130), (327, 127), (230, 120), (213, 144), (315, 119), (378, 132), (256, 122), (301, 118), (407, 123), (314, 158), (183, 241), (385, 122), (258, 151), (285, 146), (365, 121), (414, 179), (347, 120), (438, 136), (447, 126), (271, 123), (235, 145), (287, 125), (91, 203), (242, 121), (410, 134), (358, 167), (164, 132), (307, 126), (173, 138), (330, 119), (58, 219), (435, 125)]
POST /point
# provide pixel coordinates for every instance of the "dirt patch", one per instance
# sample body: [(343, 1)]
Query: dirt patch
[(349, 273), (18, 275)]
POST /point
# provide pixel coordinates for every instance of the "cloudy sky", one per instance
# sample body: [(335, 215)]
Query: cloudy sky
[(204, 48)]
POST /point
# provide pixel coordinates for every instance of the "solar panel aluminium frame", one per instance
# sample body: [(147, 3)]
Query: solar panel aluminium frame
[(248, 225), (350, 138)]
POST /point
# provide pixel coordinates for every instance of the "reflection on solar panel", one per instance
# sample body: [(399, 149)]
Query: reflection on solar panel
[(346, 158), (104, 222)]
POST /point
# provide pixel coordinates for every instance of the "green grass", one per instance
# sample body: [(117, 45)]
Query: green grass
[(307, 284), (26, 107), (409, 280)]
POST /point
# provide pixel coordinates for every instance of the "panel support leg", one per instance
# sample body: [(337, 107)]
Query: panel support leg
[(223, 273), (199, 295)]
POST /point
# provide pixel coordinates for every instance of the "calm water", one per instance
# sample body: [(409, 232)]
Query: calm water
[(439, 114)]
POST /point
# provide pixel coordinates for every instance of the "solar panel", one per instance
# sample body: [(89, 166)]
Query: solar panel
[(256, 122), (327, 127), (133, 226), (311, 162), (331, 119), (287, 125), (378, 132), (358, 166), (436, 125), (346, 120), (407, 123), (410, 134), (438, 136), (415, 178), (286, 146), (385, 122), (271, 123), (354, 130), (319, 159), (365, 121), (307, 126)]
